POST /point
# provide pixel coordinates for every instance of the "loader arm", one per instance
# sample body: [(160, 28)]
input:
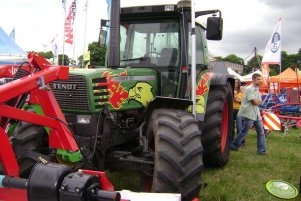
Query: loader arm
[(36, 84)]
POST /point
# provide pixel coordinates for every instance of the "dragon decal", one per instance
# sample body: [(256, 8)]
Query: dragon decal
[(202, 90), (142, 93), (117, 95)]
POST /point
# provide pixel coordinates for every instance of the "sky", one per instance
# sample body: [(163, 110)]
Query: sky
[(247, 24)]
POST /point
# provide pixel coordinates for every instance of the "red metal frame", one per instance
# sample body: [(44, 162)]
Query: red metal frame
[(60, 136), (105, 182), (8, 70), (10, 194)]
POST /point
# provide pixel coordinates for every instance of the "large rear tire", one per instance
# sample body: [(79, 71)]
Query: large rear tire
[(217, 128), (178, 164)]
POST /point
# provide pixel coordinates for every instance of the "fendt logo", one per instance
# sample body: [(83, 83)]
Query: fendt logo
[(64, 86)]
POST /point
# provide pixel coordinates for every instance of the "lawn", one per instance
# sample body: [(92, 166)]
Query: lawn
[(245, 176)]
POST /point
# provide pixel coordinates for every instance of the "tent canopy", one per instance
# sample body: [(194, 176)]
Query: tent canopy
[(8, 46), (10, 52), (248, 78), (287, 76), (235, 74)]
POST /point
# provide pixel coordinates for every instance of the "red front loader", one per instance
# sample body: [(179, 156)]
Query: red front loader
[(47, 181)]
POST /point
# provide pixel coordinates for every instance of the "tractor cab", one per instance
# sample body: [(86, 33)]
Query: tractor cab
[(159, 37)]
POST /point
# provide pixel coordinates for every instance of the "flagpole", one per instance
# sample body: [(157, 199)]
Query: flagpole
[(64, 4), (74, 28), (83, 60), (280, 66)]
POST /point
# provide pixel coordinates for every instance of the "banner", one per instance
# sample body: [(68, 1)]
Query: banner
[(108, 16), (108, 8), (54, 46), (86, 59), (69, 24), (86, 6), (64, 4), (272, 53)]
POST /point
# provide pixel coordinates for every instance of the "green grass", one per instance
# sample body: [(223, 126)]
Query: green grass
[(245, 176)]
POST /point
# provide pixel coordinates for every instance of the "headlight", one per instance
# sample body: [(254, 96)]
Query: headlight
[(83, 119)]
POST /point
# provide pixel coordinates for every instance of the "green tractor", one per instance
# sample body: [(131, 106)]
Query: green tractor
[(136, 113)]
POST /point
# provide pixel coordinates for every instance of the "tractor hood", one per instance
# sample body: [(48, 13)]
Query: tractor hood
[(89, 90)]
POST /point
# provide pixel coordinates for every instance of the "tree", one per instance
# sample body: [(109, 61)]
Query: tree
[(219, 58), (80, 60), (97, 54), (255, 61), (66, 60), (289, 60), (47, 55), (234, 59)]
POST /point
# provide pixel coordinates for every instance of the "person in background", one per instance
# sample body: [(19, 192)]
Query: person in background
[(236, 104), (250, 115)]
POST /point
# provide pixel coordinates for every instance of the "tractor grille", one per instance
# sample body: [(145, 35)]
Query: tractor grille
[(72, 93)]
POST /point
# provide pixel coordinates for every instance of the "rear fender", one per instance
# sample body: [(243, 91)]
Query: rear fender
[(166, 102), (202, 90), (205, 80), (221, 79)]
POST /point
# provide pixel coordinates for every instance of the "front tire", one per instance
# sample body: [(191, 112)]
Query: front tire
[(178, 165), (32, 138), (217, 129)]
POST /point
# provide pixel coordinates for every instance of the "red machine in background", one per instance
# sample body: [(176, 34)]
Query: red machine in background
[(47, 181)]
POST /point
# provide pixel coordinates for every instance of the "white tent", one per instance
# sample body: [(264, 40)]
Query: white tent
[(248, 78), (10, 52), (235, 74)]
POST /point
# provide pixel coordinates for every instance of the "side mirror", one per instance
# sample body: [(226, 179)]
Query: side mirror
[(102, 37), (214, 28)]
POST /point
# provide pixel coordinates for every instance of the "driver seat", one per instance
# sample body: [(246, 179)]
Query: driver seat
[(168, 57)]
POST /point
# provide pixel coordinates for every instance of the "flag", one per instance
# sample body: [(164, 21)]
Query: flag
[(12, 34), (86, 59), (64, 4), (54, 46), (73, 5), (109, 15), (272, 54), (69, 24), (108, 7), (86, 5)]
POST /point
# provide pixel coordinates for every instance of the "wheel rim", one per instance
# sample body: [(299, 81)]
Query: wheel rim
[(224, 127)]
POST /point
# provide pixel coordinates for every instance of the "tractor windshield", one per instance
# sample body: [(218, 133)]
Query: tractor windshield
[(149, 44)]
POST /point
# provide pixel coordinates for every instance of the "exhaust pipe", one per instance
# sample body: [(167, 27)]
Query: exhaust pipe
[(114, 43)]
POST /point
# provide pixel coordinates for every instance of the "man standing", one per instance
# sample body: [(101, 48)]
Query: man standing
[(249, 113)]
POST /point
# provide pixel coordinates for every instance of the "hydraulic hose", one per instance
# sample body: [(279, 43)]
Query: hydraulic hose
[(13, 182)]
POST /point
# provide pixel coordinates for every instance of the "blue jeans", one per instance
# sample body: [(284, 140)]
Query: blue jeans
[(238, 121), (246, 125)]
